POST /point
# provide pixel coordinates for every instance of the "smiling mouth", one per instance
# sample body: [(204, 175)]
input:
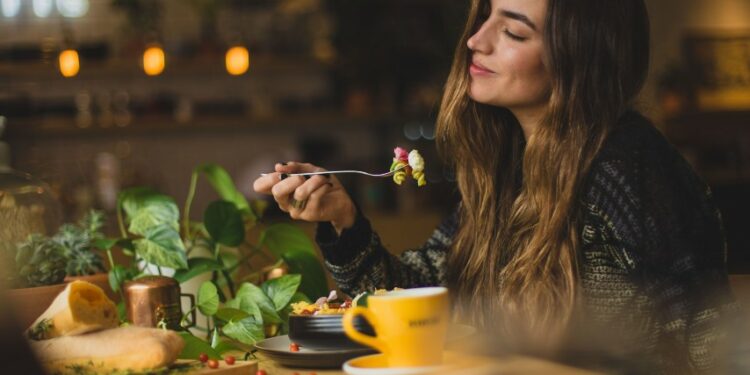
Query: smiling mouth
[(476, 68)]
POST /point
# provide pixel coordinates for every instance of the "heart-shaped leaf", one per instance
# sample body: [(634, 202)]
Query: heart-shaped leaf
[(195, 346), (223, 222), (208, 299), (225, 187), (281, 238), (162, 246), (266, 305), (197, 266), (247, 305), (134, 199), (118, 275), (281, 289), (152, 216), (229, 314), (227, 346), (105, 243), (314, 282), (248, 331)]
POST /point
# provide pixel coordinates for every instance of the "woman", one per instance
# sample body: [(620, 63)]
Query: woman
[(575, 212)]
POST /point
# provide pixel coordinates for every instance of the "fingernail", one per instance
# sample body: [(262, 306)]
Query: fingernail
[(283, 176)]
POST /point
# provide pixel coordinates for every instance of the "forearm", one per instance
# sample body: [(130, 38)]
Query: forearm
[(358, 261)]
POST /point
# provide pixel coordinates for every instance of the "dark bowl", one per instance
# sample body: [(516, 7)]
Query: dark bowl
[(325, 332)]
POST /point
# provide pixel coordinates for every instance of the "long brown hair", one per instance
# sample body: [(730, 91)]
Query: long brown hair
[(514, 258)]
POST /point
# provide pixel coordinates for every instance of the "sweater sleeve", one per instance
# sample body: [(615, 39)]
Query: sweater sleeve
[(358, 261), (663, 230)]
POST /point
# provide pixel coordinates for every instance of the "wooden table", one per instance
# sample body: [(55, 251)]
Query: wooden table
[(479, 366)]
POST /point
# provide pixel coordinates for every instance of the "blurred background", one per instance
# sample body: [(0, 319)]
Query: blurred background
[(101, 95)]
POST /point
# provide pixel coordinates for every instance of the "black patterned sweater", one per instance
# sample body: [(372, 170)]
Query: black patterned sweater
[(651, 263)]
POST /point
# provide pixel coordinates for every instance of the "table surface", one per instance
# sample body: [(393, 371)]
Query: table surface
[(478, 365)]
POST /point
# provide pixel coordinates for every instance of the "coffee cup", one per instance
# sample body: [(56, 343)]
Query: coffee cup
[(410, 325)]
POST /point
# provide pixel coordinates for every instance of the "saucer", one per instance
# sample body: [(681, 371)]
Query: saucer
[(376, 364), (277, 349)]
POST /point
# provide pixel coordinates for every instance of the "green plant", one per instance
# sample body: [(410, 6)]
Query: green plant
[(40, 261), (78, 244), (219, 245), (254, 311)]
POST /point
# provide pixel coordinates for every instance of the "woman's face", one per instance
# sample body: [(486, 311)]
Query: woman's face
[(507, 68)]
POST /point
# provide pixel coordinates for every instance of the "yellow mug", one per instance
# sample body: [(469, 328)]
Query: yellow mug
[(410, 325)]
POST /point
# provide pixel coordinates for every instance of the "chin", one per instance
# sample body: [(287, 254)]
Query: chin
[(478, 96)]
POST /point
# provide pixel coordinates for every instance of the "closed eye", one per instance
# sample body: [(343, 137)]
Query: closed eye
[(514, 36)]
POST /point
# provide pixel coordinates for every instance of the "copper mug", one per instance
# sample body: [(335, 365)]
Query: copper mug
[(152, 300)]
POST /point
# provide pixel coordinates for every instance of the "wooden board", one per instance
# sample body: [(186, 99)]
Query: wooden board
[(238, 368)]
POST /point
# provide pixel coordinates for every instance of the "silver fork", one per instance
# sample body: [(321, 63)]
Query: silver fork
[(387, 174)]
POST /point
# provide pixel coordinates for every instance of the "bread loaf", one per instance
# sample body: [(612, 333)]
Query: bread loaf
[(120, 349), (81, 307)]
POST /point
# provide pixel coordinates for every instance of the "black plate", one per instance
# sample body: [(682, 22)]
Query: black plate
[(277, 349), (325, 332)]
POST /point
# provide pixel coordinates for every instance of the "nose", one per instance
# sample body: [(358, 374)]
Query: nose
[(480, 41)]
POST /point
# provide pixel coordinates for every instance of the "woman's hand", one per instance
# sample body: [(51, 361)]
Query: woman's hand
[(319, 198)]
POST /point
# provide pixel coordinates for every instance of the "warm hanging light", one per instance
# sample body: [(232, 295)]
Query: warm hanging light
[(69, 63), (237, 60), (153, 60)]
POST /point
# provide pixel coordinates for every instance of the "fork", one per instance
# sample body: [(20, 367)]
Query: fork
[(387, 174)]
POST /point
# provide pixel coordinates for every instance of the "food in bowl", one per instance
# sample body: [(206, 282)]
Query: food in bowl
[(323, 306), (318, 325)]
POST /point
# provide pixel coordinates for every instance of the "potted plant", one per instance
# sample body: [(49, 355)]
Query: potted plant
[(230, 235), (43, 265)]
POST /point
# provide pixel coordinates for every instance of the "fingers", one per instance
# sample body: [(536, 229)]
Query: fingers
[(297, 195), (295, 167), (303, 191), (311, 208), (284, 189), (264, 184)]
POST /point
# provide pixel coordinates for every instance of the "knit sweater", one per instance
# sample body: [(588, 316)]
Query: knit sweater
[(651, 261)]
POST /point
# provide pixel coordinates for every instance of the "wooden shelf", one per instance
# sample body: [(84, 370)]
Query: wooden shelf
[(65, 126)]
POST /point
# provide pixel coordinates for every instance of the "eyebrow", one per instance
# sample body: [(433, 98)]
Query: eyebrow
[(518, 17)]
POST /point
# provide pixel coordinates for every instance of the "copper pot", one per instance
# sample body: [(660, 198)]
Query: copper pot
[(152, 300)]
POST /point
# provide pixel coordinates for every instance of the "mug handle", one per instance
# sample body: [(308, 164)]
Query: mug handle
[(192, 309), (348, 322)]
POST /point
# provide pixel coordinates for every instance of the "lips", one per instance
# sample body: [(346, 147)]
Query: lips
[(477, 68)]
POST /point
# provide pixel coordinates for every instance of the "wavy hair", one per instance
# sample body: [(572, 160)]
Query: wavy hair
[(514, 258)]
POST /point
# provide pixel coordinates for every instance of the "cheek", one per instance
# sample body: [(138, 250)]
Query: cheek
[(534, 72), (525, 66)]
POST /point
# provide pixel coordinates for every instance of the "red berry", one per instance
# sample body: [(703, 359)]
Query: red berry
[(203, 357), (229, 359), (293, 347), (212, 363), (261, 372)]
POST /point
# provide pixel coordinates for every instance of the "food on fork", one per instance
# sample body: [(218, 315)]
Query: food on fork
[(408, 164)]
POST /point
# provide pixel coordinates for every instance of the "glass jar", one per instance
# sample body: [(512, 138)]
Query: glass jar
[(26, 206)]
